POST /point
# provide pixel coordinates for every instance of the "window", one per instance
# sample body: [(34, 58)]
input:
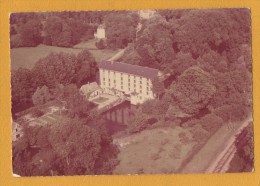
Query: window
[(121, 78), (128, 84), (115, 81), (134, 85), (134, 81), (109, 79), (104, 79), (121, 87), (104, 83)]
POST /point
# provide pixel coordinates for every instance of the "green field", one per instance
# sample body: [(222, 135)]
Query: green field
[(27, 56)]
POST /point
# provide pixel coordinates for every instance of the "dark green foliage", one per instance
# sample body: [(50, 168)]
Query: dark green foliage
[(120, 29), (68, 147), (157, 87), (65, 32), (22, 89), (193, 90), (28, 34), (234, 87), (100, 44), (154, 45), (232, 113), (64, 68), (75, 102), (243, 160), (41, 95)]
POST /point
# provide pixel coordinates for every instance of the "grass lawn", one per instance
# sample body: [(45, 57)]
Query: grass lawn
[(154, 151), (27, 56), (100, 100)]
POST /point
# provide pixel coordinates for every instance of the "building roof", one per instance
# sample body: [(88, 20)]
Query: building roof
[(89, 88), (129, 69)]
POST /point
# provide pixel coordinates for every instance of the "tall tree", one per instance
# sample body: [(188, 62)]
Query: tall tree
[(193, 90)]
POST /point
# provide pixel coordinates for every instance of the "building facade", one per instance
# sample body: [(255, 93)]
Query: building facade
[(129, 81), (146, 14), (101, 32)]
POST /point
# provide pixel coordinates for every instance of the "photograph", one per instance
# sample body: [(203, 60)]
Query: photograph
[(131, 92)]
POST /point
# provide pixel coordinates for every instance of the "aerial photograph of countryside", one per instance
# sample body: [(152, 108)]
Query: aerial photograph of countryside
[(163, 91)]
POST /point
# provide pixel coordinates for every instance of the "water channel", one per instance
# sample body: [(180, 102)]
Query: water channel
[(117, 117)]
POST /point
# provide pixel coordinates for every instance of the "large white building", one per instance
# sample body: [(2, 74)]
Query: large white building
[(131, 81)]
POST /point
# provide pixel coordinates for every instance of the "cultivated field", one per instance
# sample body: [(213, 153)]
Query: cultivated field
[(27, 56)]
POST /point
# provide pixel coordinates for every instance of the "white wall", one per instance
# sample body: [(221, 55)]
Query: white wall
[(127, 83)]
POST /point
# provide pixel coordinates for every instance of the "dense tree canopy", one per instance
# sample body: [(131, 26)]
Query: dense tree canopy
[(120, 29), (154, 45), (193, 90), (22, 89), (67, 147), (64, 68)]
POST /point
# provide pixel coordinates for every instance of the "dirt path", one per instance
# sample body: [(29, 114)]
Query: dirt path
[(208, 157), (117, 55)]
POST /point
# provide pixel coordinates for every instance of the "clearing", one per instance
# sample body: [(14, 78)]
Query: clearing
[(153, 151), (26, 57)]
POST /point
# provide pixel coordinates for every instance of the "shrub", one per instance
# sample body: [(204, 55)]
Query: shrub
[(211, 123), (184, 138), (100, 44)]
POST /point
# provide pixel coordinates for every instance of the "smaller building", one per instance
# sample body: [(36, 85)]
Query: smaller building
[(101, 32), (91, 90), (146, 14)]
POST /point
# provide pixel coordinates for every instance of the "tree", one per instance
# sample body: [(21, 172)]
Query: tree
[(41, 95), (63, 68), (75, 103), (67, 147), (199, 31), (234, 87), (100, 44), (22, 88), (193, 90), (120, 29), (182, 62), (86, 67), (154, 44), (28, 34), (157, 87)]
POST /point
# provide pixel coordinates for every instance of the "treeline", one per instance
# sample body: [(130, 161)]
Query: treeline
[(51, 71), (67, 146), (65, 29)]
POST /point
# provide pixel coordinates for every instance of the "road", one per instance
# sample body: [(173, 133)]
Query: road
[(217, 152)]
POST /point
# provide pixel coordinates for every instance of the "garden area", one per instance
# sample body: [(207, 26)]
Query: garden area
[(154, 151)]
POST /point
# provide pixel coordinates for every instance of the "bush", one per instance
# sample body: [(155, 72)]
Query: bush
[(211, 123), (100, 44)]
